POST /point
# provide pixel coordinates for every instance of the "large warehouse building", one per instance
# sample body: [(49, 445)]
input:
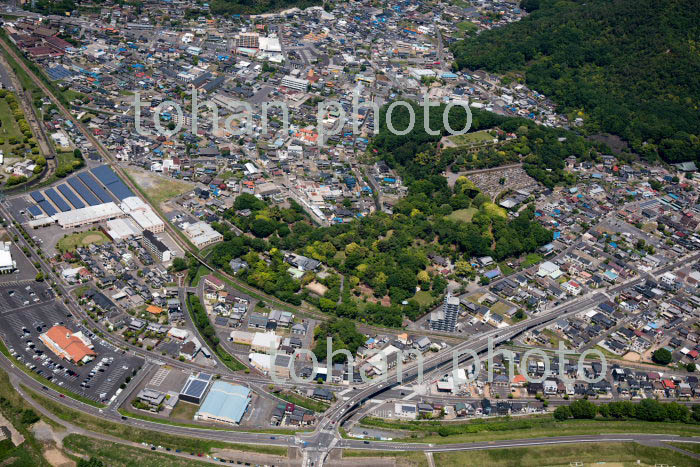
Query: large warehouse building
[(142, 214), (87, 215), (225, 403)]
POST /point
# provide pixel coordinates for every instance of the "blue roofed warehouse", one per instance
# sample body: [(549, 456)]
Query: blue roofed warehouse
[(226, 403)]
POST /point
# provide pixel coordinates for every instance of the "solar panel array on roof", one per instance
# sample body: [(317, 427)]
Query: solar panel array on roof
[(48, 209), (70, 196), (34, 210), (82, 190), (58, 72), (106, 175), (120, 190), (57, 200), (196, 388), (36, 196), (91, 183)]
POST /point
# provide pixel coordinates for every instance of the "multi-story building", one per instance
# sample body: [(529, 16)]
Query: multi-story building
[(445, 319), (155, 246)]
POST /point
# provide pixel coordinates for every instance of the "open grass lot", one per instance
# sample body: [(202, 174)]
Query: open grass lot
[(476, 137), (159, 188), (464, 215), (531, 259), (65, 161), (692, 447), (73, 241), (619, 454), (500, 308), (139, 435), (540, 426), (505, 269), (9, 128), (554, 339), (301, 401), (467, 27), (115, 454), (184, 411), (423, 298), (401, 458)]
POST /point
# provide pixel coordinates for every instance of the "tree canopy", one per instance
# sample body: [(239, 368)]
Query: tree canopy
[(629, 68)]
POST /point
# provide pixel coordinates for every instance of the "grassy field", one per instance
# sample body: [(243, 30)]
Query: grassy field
[(201, 272), (159, 189), (530, 427), (12, 407), (492, 209), (301, 401), (464, 215), (500, 308), (73, 241), (65, 160), (184, 411), (115, 454), (505, 269), (554, 339), (165, 421), (692, 447), (587, 453), (467, 27), (531, 259), (139, 435), (9, 128), (402, 458), (423, 298), (476, 137)]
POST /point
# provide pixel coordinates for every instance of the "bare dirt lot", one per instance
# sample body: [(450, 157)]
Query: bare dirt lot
[(159, 188)]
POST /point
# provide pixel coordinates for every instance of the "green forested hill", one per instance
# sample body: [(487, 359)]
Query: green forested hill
[(251, 7), (631, 67)]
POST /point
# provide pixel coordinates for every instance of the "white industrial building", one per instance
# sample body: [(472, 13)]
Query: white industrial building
[(7, 264), (87, 215), (202, 234), (142, 214), (123, 228)]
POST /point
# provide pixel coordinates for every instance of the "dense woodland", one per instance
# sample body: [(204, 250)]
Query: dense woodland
[(380, 255), (629, 68), (418, 155), (254, 7)]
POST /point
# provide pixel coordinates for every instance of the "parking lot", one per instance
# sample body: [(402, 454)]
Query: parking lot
[(29, 310), (25, 270)]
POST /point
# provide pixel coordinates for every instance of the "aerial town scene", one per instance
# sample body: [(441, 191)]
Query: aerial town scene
[(349, 233)]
